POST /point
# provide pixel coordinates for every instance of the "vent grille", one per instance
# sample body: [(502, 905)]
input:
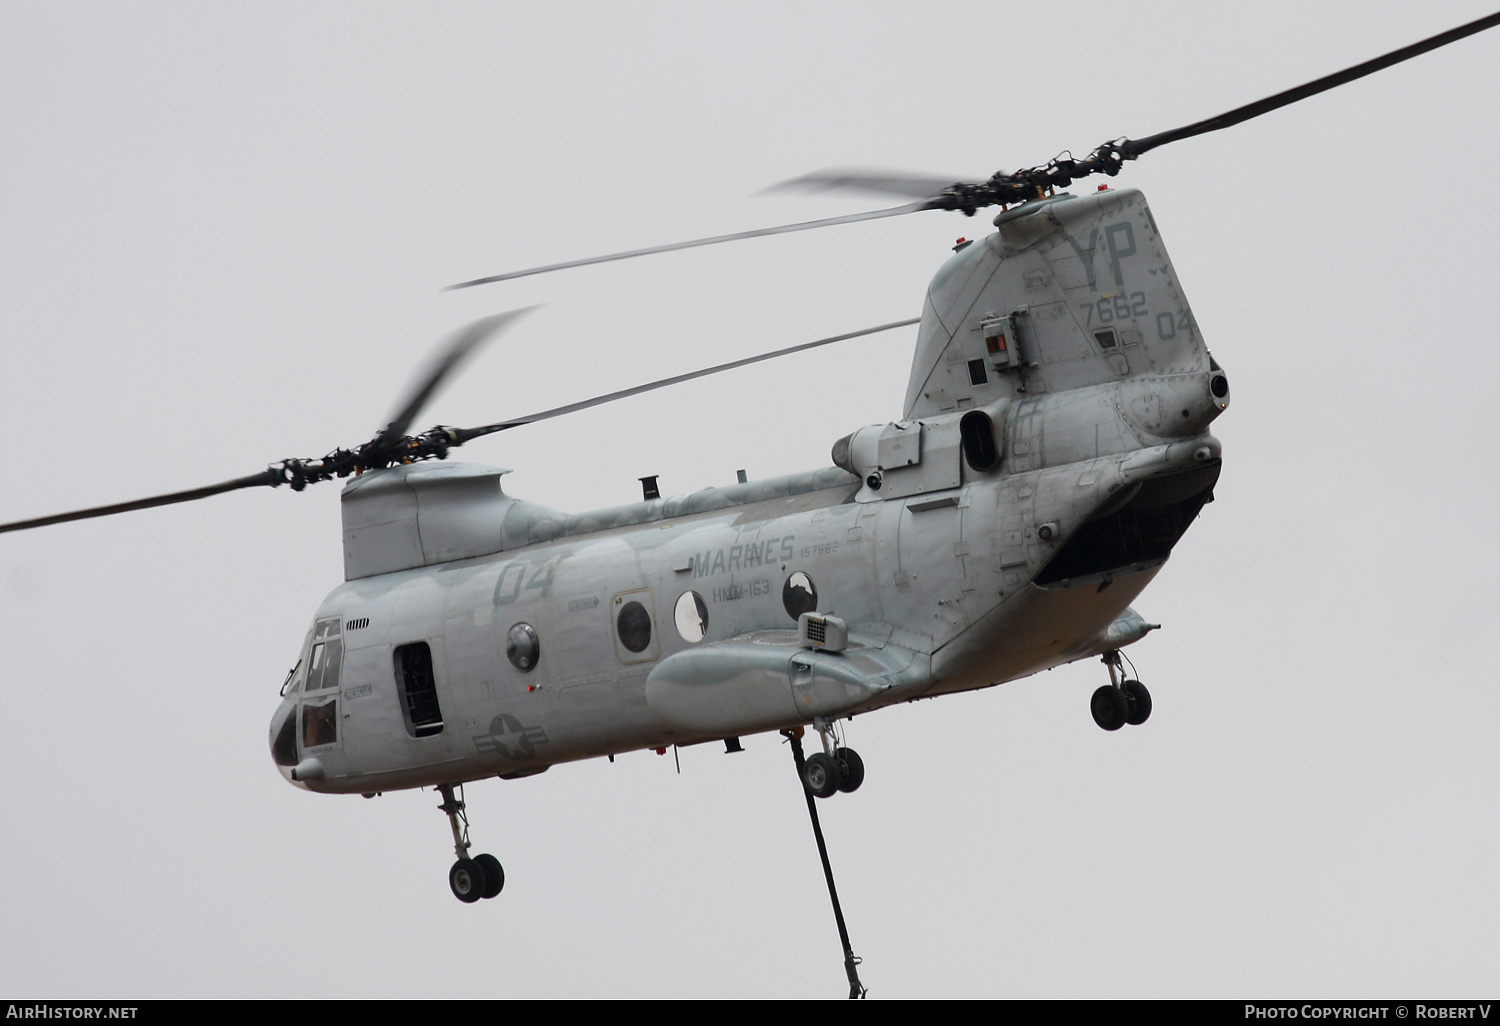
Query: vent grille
[(828, 633), (355, 625)]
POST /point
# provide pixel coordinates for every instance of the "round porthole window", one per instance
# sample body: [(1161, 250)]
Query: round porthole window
[(691, 616), (634, 627), (522, 647), (798, 595)]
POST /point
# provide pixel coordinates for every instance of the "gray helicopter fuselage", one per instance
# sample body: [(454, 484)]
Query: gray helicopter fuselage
[(1053, 449)]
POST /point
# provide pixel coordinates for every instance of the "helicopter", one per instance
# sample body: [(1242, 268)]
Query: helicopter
[(660, 621)]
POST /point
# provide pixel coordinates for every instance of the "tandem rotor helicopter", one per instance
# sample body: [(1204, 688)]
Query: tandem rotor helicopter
[(1054, 446)]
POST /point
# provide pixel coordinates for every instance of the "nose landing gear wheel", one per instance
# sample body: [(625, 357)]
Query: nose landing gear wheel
[(494, 875), (467, 879)]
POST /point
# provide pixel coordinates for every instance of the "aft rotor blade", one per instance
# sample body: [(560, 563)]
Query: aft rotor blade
[(465, 434), (1026, 184), (447, 359), (895, 183), (270, 478), (1131, 148), (871, 215)]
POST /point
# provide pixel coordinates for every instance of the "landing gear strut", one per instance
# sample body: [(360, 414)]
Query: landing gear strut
[(470, 879), (833, 769), (1120, 701)]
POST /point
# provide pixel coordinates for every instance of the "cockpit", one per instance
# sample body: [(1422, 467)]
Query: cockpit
[(307, 721)]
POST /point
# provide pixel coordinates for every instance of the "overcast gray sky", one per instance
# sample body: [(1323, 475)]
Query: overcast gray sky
[(224, 232)]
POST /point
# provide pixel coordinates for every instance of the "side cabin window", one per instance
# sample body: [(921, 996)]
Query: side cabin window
[(417, 685)]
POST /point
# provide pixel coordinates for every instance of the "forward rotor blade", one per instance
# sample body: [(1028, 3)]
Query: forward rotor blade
[(909, 208), (1131, 148), (447, 359), (270, 478), (895, 183), (466, 434)]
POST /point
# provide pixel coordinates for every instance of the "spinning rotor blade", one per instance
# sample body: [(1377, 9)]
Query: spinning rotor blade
[(458, 349), (388, 447), (1035, 182), (892, 183), (270, 477), (465, 434), (1028, 183), (392, 445), (909, 208), (1109, 158), (1132, 148)]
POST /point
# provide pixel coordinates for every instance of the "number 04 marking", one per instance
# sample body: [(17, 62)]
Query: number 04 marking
[(1167, 326)]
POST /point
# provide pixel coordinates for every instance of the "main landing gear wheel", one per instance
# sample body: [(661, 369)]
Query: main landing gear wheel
[(853, 768), (1120, 701), (833, 769), (821, 775), (1110, 706), (1140, 702)]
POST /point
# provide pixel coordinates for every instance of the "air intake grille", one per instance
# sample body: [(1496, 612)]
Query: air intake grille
[(828, 633)]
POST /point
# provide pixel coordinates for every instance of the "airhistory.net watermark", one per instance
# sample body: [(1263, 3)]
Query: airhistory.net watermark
[(48, 1010)]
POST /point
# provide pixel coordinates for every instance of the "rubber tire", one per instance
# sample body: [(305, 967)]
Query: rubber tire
[(1140, 702), (467, 881), (821, 776), (852, 767), (1110, 707), (494, 875)]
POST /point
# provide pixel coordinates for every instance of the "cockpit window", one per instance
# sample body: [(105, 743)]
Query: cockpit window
[(320, 723), (327, 656), (284, 747), (294, 680)]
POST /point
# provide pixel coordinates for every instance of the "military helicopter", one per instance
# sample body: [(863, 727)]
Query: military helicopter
[(435, 553)]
